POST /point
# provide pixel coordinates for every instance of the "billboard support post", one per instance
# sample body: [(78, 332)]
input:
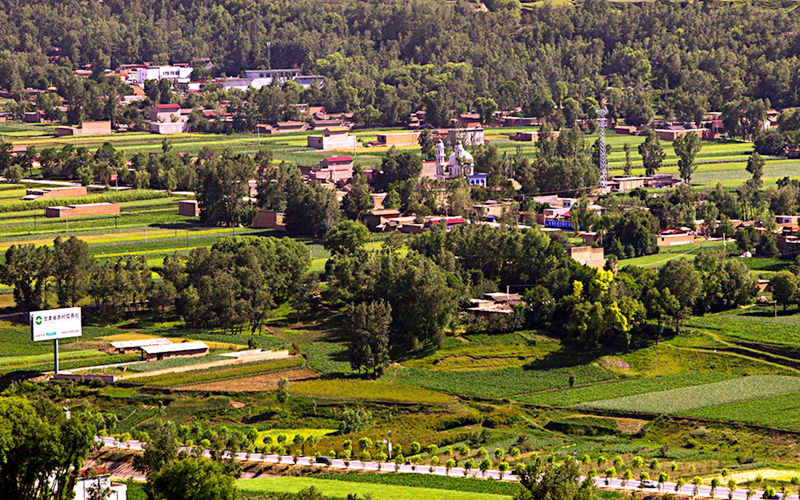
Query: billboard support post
[(55, 324)]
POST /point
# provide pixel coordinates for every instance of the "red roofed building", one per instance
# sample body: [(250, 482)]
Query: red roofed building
[(334, 169)]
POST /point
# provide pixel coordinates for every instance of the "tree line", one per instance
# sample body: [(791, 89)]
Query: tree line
[(555, 62)]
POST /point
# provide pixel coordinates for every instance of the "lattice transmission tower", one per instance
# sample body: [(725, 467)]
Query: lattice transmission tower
[(602, 122)]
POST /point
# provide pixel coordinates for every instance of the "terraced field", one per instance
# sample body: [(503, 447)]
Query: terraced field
[(674, 401)]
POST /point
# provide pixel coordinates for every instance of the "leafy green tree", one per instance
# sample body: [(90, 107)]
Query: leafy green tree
[(686, 147), (696, 483), (541, 482), (628, 167), (652, 153), (784, 287), (223, 188), (397, 166), (71, 268), (41, 448), (755, 165), (358, 201), (282, 392), (484, 466), (486, 107), (369, 343), (312, 210), (347, 237), (199, 479), (663, 477), (610, 473), (448, 465), (427, 146), (714, 485), (356, 420), (683, 282), (27, 268)]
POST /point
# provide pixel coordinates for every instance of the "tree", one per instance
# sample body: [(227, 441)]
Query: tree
[(223, 189), (347, 237), (448, 465), (282, 392), (160, 450), (714, 484), (696, 482), (27, 268), (355, 421), (683, 282), (662, 478), (358, 201), (71, 268), (312, 210), (755, 165), (784, 287), (679, 484), (199, 479), (628, 167), (732, 487), (550, 481), (652, 153), (502, 468), (609, 473), (397, 166), (687, 146), (626, 476), (485, 106), (427, 147), (369, 343), (484, 466), (41, 448)]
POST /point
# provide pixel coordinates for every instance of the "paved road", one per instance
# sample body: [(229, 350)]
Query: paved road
[(703, 491)]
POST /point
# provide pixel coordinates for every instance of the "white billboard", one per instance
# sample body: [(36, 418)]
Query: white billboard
[(56, 324)]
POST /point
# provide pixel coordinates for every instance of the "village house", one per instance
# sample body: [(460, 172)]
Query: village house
[(85, 129), (589, 256), (270, 219), (332, 138)]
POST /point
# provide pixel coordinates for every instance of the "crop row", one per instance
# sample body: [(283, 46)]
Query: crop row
[(369, 391), (501, 383), (781, 411), (621, 388), (700, 396), (110, 196)]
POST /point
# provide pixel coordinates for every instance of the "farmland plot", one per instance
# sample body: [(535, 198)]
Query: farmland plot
[(622, 388), (701, 396), (501, 383), (774, 411)]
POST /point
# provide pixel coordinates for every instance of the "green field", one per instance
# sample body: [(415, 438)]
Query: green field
[(781, 411), (700, 396), (340, 489), (500, 383), (430, 481), (622, 388), (370, 391)]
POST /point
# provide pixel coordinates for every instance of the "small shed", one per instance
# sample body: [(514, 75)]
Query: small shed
[(185, 349)]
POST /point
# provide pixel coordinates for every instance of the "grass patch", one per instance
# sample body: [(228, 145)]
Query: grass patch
[(485, 357), (341, 489), (756, 324), (429, 481), (369, 391), (22, 361), (700, 396), (621, 388)]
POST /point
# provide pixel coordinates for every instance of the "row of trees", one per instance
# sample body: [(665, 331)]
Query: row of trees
[(555, 61)]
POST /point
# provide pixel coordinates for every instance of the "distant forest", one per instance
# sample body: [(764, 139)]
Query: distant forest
[(394, 56)]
